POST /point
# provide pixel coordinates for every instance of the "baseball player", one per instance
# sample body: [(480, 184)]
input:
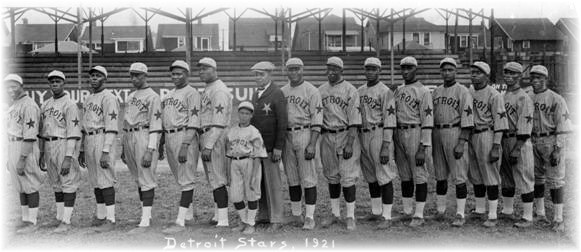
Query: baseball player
[(22, 129), (245, 148), (485, 149), (376, 137), (517, 168), (413, 138), (142, 126), (60, 131), (215, 113), (305, 116), (100, 128), (180, 122), (340, 148), (453, 122), (551, 122)]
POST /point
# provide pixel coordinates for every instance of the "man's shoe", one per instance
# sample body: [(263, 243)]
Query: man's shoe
[(371, 217), (558, 226), (173, 229), (296, 220), (309, 223), (438, 217), (490, 223), (274, 227), (29, 228), (330, 220), (542, 219), (458, 221), (350, 222), (138, 230), (385, 224), (62, 228), (508, 217), (477, 216), (241, 226), (523, 223), (248, 230), (416, 222), (106, 227), (97, 222)]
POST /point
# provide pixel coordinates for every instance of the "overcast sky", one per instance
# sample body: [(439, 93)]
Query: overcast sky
[(552, 9)]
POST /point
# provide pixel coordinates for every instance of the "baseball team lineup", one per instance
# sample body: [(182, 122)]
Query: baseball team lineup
[(472, 137)]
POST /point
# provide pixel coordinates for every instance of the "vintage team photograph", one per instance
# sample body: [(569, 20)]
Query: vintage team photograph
[(289, 125)]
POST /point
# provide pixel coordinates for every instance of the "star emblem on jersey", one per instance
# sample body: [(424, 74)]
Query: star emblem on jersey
[(468, 111), (194, 111), (113, 115), (266, 108), (76, 122), (319, 109), (428, 111), (529, 118), (157, 115), (502, 115), (30, 123), (219, 109), (566, 116), (391, 110)]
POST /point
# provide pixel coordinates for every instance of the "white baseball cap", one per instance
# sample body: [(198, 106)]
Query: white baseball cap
[(485, 68), (138, 67), (294, 62), (208, 62), (13, 77), (450, 61), (246, 105), (540, 69), (181, 64), (99, 69), (408, 61), (372, 61), (263, 66), (513, 66), (56, 73), (335, 61)]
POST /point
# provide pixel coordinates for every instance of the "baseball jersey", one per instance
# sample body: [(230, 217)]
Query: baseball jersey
[(551, 114), (245, 142), (100, 111), (453, 105), (489, 111), (340, 104), (303, 104), (181, 108), (215, 110), (60, 118), (23, 118), (519, 111), (143, 109), (378, 105), (413, 105)]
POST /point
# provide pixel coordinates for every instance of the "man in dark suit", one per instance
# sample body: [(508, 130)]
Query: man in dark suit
[(270, 118)]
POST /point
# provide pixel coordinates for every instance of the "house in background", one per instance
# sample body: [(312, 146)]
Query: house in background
[(34, 36), (569, 27), (527, 35), (172, 37), (417, 29), (119, 39), (253, 34), (480, 36), (306, 35)]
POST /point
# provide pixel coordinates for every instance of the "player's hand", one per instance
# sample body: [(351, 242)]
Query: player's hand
[(66, 166), (105, 160), (183, 154), (348, 151), (494, 153), (20, 166), (555, 156), (206, 154), (420, 155), (384, 154), (276, 155), (146, 161), (514, 156), (82, 161), (41, 162), (310, 152), (459, 149)]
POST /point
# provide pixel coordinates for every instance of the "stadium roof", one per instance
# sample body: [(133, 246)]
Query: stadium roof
[(529, 29)]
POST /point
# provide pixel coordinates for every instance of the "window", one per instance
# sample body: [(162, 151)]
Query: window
[(333, 41), (181, 41), (131, 46), (463, 41), (97, 46), (498, 42), (416, 37), (509, 44), (202, 43), (426, 38), (38, 45), (474, 41), (526, 44)]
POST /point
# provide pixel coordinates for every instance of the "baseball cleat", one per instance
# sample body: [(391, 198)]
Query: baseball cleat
[(372, 217), (558, 226), (262, 221), (309, 223), (477, 216), (330, 220), (97, 222), (458, 221), (106, 227), (52, 223), (248, 230), (138, 230), (62, 228), (296, 219), (274, 227), (541, 219), (490, 223), (523, 223), (29, 228), (350, 222), (438, 217), (416, 222), (385, 224), (403, 217), (240, 227), (175, 228), (505, 216)]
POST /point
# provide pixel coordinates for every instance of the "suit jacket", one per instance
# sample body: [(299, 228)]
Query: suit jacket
[(271, 116)]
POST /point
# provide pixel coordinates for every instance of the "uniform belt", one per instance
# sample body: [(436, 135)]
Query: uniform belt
[(94, 132), (238, 158), (510, 134), (52, 138), (542, 134), (376, 126), (476, 131), (446, 126), (207, 128), (175, 130), (15, 139), (407, 126), (299, 128), (333, 131), (136, 128)]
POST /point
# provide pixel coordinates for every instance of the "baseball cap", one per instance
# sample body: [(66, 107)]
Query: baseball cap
[(181, 64), (56, 73), (208, 62), (13, 77), (99, 69), (408, 61), (539, 69), (372, 61), (482, 66), (513, 66), (263, 66), (448, 60), (294, 62), (335, 61), (138, 67), (246, 105)]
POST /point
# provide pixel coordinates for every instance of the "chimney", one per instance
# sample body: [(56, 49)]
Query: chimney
[(25, 21)]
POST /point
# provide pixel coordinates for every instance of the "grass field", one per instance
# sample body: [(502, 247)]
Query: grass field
[(432, 235)]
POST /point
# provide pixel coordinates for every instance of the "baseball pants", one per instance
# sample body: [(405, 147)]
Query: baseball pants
[(299, 171), (407, 142), (244, 180), (134, 147), (554, 175), (33, 176), (481, 171), (335, 168), (271, 200), (184, 173), (217, 168), (371, 167), (99, 177), (54, 155), (521, 175), (445, 164)]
